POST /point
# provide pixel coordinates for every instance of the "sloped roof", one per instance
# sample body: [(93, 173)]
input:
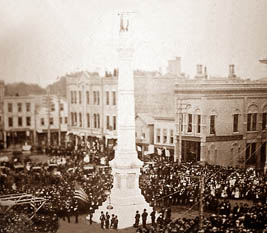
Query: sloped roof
[(149, 120)]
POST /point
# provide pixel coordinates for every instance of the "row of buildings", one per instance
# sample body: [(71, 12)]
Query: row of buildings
[(212, 119), (27, 119)]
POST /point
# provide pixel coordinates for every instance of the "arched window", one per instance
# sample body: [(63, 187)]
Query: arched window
[(198, 120), (213, 115), (252, 117), (236, 115)]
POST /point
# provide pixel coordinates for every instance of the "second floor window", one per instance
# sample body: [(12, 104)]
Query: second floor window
[(252, 122), (80, 97), (158, 135), (51, 121), (71, 97), (198, 123), (107, 98), (95, 121), (107, 122), (114, 123), (61, 107), (28, 121), (52, 107), (19, 121), (42, 121), (171, 136), (189, 127), (10, 107), (98, 97), (10, 122), (19, 107), (164, 135), (75, 118), (72, 118), (66, 120), (212, 124), (81, 120), (264, 120), (28, 107), (87, 97), (88, 120), (114, 97), (235, 123)]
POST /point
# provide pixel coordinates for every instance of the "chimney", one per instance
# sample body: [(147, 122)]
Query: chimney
[(174, 66), (199, 70), (232, 71), (205, 72)]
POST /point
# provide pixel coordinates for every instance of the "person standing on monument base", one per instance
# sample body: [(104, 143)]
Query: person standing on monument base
[(137, 219), (107, 220), (144, 218), (112, 221), (102, 220), (116, 222)]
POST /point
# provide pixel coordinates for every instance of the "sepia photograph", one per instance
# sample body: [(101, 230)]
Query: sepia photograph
[(133, 116)]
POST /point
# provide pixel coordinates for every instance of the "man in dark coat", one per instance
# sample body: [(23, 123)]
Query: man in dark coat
[(116, 222), (112, 221), (144, 218), (107, 220), (137, 219), (102, 220)]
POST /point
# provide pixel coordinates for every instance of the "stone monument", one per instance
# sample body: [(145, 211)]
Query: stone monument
[(125, 197)]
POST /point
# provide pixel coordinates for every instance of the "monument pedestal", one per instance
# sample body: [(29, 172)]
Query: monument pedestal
[(125, 196)]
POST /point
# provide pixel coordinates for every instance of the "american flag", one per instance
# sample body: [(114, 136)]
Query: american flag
[(79, 193)]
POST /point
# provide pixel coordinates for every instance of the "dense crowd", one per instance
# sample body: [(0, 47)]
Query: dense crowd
[(163, 183), (238, 219), (56, 180)]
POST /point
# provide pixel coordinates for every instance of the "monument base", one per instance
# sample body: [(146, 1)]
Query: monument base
[(125, 198), (125, 213)]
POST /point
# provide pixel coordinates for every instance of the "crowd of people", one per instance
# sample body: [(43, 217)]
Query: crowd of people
[(163, 184), (57, 180), (166, 184), (241, 218)]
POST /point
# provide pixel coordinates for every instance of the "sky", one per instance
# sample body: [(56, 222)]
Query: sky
[(41, 40)]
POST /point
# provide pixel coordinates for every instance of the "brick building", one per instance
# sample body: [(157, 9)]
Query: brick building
[(222, 120)]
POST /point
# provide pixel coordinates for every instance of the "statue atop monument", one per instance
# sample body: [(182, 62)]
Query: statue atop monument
[(124, 23)]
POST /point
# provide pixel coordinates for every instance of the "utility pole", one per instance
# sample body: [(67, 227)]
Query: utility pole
[(48, 116), (180, 120), (180, 136), (59, 123)]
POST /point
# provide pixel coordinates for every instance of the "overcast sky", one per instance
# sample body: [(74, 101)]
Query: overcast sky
[(43, 39)]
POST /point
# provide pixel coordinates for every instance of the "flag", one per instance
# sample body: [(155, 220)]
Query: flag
[(79, 193)]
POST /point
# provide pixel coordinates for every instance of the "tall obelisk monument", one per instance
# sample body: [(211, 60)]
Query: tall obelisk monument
[(125, 197)]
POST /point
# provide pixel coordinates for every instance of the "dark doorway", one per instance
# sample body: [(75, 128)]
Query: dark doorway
[(190, 151)]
